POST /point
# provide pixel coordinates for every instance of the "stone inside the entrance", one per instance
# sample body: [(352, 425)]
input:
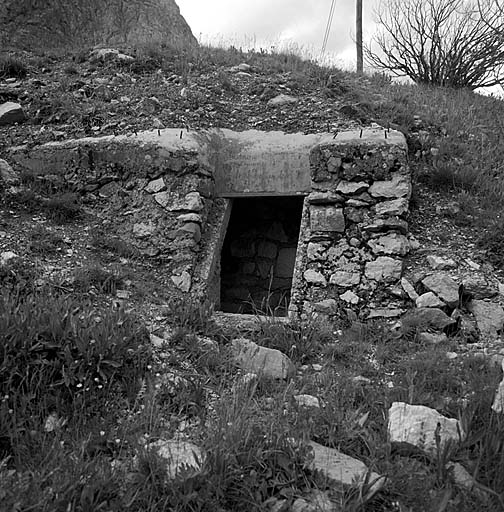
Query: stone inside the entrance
[(259, 253)]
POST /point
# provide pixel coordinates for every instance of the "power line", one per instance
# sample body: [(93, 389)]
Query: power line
[(328, 27)]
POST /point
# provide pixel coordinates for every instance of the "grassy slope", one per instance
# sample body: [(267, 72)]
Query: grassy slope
[(455, 139)]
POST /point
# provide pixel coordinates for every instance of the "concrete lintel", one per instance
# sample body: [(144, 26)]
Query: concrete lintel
[(367, 136), (251, 162)]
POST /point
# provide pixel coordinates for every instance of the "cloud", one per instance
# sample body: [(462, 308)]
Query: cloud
[(269, 21)]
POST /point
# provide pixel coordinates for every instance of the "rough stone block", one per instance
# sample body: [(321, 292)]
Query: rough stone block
[(180, 457), (489, 317), (192, 229), (398, 186), (327, 219), (164, 199), (396, 207), (446, 288), (419, 426), (315, 251), (384, 268), (155, 186), (265, 362), (344, 469), (313, 277), (325, 198), (182, 281), (351, 187), (345, 279), (393, 244)]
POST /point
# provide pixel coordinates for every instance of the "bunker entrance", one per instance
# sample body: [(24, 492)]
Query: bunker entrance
[(258, 255)]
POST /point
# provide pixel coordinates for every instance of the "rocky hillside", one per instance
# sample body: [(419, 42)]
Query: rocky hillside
[(109, 385), (55, 23)]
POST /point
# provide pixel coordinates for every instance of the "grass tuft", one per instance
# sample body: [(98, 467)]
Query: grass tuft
[(12, 67), (93, 276)]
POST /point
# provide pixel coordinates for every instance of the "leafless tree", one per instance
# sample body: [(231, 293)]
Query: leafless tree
[(451, 43)]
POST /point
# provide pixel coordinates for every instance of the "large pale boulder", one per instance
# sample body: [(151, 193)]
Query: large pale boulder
[(180, 456), (446, 288), (11, 113), (343, 469), (419, 426), (489, 317), (266, 362)]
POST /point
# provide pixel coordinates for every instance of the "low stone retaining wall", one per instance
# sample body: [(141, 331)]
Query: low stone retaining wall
[(157, 199), (354, 230)]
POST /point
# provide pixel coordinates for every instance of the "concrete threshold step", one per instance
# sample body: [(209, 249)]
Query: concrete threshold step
[(246, 323)]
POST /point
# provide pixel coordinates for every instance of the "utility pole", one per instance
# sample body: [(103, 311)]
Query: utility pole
[(358, 17)]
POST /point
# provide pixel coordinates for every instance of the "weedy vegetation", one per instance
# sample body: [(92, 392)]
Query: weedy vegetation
[(80, 400)]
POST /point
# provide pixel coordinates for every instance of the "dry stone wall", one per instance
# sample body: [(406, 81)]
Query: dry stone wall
[(154, 199), (354, 229)]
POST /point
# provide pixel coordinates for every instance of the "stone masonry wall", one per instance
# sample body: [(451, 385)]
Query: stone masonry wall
[(156, 200), (157, 193), (354, 228)]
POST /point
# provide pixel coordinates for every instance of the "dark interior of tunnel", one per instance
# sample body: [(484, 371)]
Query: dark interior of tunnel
[(258, 255)]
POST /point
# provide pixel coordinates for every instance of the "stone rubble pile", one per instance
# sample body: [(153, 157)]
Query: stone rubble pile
[(450, 304), (354, 230)]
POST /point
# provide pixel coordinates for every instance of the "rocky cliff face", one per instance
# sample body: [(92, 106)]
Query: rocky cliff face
[(33, 24)]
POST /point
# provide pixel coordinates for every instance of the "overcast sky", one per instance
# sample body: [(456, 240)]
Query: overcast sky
[(268, 22)]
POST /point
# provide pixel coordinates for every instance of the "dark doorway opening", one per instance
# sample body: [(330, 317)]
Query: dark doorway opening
[(258, 255)]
